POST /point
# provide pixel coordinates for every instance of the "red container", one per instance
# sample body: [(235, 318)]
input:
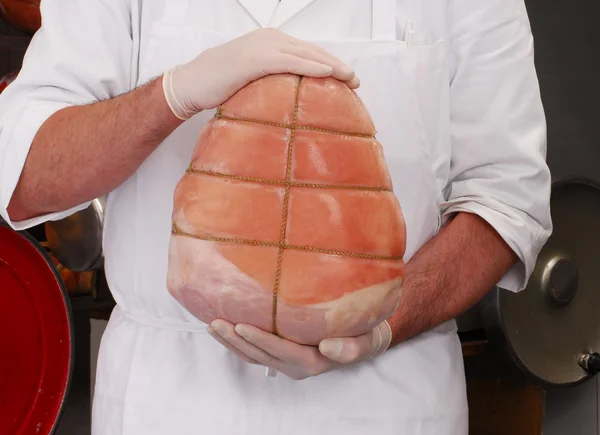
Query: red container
[(36, 337), (23, 15)]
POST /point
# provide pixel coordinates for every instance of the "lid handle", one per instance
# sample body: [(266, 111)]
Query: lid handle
[(590, 362)]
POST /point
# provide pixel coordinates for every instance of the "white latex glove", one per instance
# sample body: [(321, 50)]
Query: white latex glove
[(295, 360), (219, 72)]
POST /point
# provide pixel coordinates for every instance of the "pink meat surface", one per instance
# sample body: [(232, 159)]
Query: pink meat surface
[(286, 219)]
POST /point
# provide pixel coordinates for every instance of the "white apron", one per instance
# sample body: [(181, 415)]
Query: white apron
[(160, 373)]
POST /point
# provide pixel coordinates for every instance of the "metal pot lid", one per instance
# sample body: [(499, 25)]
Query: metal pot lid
[(552, 328), (76, 240), (36, 347)]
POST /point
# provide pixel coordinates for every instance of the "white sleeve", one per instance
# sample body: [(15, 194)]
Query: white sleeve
[(498, 129), (81, 54)]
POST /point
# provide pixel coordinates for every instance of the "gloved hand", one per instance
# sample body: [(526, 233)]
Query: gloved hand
[(298, 361), (219, 72)]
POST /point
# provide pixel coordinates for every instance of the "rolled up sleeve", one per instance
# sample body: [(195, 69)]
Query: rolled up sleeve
[(498, 129), (81, 54)]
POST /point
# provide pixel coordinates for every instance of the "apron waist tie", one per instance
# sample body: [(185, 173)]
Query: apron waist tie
[(164, 323)]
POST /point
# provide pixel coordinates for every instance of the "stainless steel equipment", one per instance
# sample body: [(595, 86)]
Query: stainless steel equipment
[(76, 240), (551, 330)]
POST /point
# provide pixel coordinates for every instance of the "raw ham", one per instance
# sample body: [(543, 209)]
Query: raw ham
[(286, 218)]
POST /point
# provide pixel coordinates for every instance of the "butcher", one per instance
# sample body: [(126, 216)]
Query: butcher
[(110, 100)]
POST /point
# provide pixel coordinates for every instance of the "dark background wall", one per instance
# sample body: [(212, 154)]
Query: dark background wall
[(12, 48), (567, 48)]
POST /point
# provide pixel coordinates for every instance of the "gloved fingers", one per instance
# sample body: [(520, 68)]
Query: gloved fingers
[(294, 41), (295, 360), (363, 347), (348, 349), (355, 349), (230, 347), (231, 339), (280, 348), (288, 63), (341, 71), (354, 83)]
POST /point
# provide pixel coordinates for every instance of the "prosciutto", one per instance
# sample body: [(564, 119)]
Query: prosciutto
[(286, 218)]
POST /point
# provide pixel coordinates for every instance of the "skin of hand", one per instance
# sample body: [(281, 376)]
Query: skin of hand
[(217, 73), (446, 277), (299, 361), (84, 152)]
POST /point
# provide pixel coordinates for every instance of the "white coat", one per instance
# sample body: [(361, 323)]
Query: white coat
[(452, 89)]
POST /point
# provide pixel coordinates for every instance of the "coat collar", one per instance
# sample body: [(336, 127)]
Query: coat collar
[(285, 10)]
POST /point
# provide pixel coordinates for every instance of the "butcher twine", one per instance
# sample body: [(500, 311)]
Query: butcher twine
[(288, 183)]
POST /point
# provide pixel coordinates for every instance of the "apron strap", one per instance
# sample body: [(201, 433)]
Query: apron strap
[(171, 324), (384, 20), (175, 12)]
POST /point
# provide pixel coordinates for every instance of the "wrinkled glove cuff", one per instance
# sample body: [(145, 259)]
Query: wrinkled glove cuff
[(382, 338), (174, 104)]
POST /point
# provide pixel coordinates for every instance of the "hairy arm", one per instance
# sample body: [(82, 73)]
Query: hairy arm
[(449, 274), (83, 152), (499, 183)]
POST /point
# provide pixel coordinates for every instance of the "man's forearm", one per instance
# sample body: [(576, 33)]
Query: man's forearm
[(449, 274), (84, 152)]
